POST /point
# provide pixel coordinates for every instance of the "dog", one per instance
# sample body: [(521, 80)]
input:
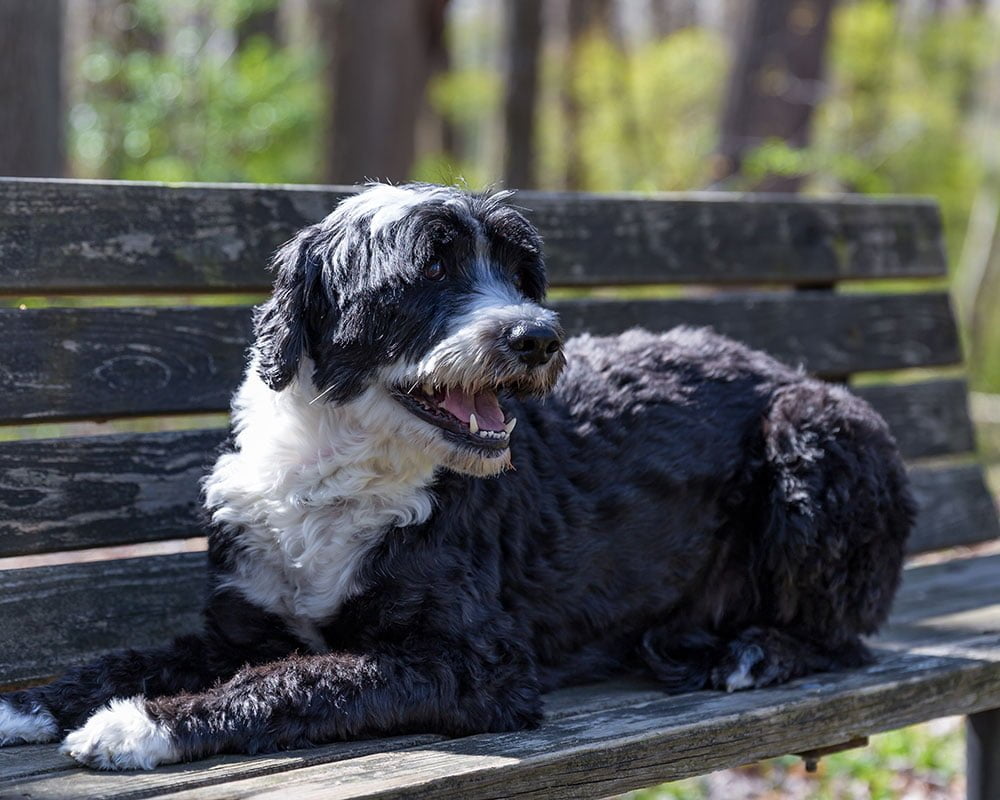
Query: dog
[(388, 553)]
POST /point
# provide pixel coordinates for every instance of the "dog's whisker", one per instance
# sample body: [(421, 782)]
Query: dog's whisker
[(322, 394)]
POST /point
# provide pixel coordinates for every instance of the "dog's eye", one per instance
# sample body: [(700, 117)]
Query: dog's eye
[(434, 271), (518, 281)]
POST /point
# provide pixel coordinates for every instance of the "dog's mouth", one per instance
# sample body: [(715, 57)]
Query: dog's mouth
[(471, 418)]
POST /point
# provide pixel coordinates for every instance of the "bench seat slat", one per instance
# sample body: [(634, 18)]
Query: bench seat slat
[(101, 362), (67, 236), (80, 492), (55, 615), (601, 740)]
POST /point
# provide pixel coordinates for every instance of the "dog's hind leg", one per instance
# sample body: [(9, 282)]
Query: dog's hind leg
[(756, 657), (761, 657)]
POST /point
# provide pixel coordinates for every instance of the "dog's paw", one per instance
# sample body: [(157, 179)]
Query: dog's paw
[(121, 736), (26, 727), (742, 668)]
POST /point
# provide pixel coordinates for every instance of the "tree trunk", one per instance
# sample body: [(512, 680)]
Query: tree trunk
[(776, 82), (379, 57), (582, 17), (524, 38), (668, 16), (261, 22), (31, 113)]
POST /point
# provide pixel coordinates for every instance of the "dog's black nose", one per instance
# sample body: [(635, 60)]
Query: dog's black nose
[(534, 344)]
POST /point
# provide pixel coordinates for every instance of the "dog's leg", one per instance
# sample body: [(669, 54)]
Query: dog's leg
[(761, 657), (757, 657), (305, 700), (42, 713)]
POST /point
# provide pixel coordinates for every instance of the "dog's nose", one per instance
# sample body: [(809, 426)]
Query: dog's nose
[(534, 343)]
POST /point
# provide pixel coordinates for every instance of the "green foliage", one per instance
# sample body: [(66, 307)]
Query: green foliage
[(925, 757), (196, 108), (647, 117)]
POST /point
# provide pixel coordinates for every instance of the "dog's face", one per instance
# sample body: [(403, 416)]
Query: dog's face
[(422, 299)]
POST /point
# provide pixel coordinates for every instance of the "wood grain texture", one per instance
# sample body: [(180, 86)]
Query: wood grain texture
[(98, 491), (956, 508), (72, 363), (61, 615), (86, 236), (62, 363), (929, 418)]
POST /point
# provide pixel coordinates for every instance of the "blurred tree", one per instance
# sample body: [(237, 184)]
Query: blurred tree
[(524, 38), (436, 132), (668, 16), (31, 114), (583, 18), (261, 18), (379, 57), (775, 83)]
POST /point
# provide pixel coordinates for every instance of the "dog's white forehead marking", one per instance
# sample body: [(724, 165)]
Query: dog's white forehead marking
[(382, 205)]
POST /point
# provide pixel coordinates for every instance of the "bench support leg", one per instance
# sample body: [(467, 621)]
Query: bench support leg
[(982, 755)]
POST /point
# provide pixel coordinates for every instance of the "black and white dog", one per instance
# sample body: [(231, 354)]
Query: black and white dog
[(389, 554)]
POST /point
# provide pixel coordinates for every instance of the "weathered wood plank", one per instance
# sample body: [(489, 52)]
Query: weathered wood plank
[(99, 362), (956, 508), (929, 418), (960, 596), (593, 755), (75, 236), (108, 362), (60, 615), (99, 491)]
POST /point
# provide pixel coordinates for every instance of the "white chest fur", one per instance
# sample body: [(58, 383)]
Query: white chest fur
[(311, 488)]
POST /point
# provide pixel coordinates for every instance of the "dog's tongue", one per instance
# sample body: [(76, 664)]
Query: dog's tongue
[(461, 404)]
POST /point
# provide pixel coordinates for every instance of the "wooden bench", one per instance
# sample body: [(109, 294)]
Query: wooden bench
[(768, 271)]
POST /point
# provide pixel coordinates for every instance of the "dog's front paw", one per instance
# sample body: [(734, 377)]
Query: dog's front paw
[(121, 736), (28, 725)]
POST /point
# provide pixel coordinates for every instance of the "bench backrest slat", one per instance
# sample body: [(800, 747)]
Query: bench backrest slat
[(72, 363), (72, 236)]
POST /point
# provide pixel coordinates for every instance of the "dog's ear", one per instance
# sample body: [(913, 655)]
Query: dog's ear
[(299, 306)]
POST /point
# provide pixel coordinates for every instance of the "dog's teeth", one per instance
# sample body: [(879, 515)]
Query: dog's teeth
[(473, 424), (428, 389), (510, 425)]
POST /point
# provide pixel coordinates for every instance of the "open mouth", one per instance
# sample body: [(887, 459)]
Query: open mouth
[(471, 418)]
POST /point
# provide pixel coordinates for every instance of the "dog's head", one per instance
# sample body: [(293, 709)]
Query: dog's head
[(426, 299)]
